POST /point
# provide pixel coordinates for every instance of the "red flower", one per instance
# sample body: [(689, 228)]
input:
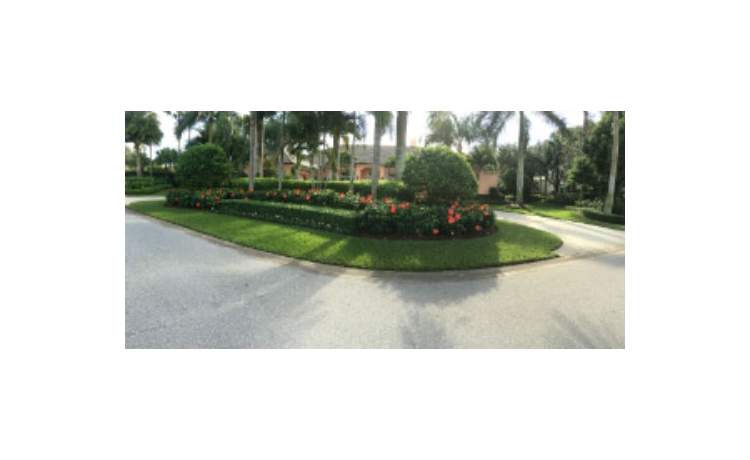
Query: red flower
[(478, 228), (435, 231), (451, 220), (450, 211), (197, 205), (393, 209), (458, 216), (307, 197), (341, 195)]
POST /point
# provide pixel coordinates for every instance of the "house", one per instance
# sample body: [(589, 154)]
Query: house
[(363, 155)]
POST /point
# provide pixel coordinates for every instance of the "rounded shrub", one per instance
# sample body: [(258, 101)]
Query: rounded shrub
[(438, 174), (203, 166)]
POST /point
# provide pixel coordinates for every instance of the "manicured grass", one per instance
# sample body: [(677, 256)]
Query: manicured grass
[(510, 245), (558, 211)]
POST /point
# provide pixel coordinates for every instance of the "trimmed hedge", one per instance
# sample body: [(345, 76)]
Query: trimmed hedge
[(203, 165), (378, 218), (386, 188), (145, 185), (336, 220), (603, 217), (440, 174)]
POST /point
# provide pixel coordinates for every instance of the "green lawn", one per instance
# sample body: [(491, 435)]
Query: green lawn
[(510, 245), (557, 211)]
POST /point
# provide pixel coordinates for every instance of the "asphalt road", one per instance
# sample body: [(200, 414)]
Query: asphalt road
[(184, 290)]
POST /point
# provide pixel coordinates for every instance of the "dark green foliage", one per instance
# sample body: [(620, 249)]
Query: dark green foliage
[(483, 158), (603, 217), (336, 220), (145, 185), (387, 188), (203, 166), (509, 177), (430, 221), (589, 173), (440, 174)]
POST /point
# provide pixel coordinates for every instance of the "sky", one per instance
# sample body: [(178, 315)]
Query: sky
[(416, 129)]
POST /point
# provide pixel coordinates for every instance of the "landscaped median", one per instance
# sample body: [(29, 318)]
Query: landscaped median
[(507, 244)]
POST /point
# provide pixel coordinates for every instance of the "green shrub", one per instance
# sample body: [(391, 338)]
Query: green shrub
[(145, 185), (387, 188), (406, 219), (602, 217), (336, 220), (440, 174), (202, 166), (595, 203), (208, 199)]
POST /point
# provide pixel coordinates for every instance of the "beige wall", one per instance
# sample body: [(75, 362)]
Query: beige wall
[(486, 180), (363, 171)]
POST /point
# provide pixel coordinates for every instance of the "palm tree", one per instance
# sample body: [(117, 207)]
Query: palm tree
[(251, 120), (493, 123), (442, 129), (447, 128), (383, 121), (141, 128), (609, 201), (151, 136), (401, 119)]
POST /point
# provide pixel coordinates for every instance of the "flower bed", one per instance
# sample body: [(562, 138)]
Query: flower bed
[(345, 213), (424, 221)]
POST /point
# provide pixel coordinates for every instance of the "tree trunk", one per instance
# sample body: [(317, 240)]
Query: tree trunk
[(151, 161), (179, 146), (351, 166), (251, 162), (401, 119), (585, 122), (521, 158), (280, 165), (376, 159), (138, 171), (262, 137), (337, 155), (609, 202)]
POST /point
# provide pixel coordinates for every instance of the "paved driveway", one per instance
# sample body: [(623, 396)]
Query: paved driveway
[(186, 290)]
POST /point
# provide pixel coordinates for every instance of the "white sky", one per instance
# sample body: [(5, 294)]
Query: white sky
[(416, 129)]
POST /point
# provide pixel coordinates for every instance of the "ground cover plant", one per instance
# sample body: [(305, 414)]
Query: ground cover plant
[(510, 244)]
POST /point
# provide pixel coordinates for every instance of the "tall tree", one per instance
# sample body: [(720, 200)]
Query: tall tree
[(495, 122), (609, 202), (141, 128), (251, 121), (401, 120), (152, 136), (383, 121)]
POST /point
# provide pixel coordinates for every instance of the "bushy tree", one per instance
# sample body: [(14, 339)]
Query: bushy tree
[(203, 166), (166, 157), (483, 158), (440, 174), (589, 172)]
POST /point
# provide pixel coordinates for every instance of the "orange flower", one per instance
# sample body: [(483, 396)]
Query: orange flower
[(341, 194), (435, 231)]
